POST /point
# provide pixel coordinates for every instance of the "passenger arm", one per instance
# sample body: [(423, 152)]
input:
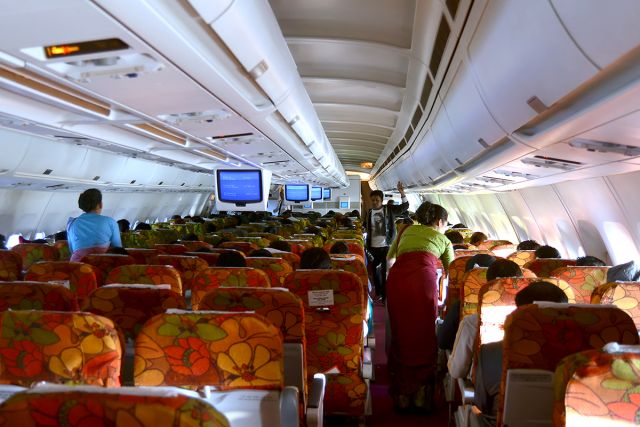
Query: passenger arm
[(115, 242), (404, 206), (448, 255)]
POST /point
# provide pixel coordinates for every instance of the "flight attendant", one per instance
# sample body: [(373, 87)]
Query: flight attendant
[(91, 232)]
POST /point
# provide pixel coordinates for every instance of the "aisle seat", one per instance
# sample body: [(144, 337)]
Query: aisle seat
[(245, 247), (10, 265), (211, 258), (34, 252), (290, 257), (171, 248), (522, 257), (624, 295), (583, 280), (64, 253), (142, 255), (543, 267), (79, 276), (216, 277), (187, 266), (103, 263), (137, 274), (276, 268)]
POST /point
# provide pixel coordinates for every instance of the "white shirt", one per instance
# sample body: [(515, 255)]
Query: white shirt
[(378, 229), (459, 363)]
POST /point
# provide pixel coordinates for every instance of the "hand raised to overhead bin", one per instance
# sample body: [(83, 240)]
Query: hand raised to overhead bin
[(400, 188)]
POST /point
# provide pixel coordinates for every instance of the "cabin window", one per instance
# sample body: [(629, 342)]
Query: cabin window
[(621, 246)]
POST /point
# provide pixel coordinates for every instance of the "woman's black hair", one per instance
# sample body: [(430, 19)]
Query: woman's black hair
[(124, 225), (477, 238), (547, 251), (260, 253), (339, 248), (142, 226), (90, 199), (280, 245), (455, 237), (231, 259), (503, 268), (459, 225), (316, 259), (528, 245), (479, 260), (430, 214)]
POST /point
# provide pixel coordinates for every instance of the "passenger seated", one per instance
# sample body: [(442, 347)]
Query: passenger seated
[(546, 252), (231, 259), (459, 225), (479, 260), (528, 245), (589, 261), (627, 272), (477, 238), (280, 245), (489, 369), (315, 259), (260, 253), (142, 226), (339, 248), (462, 354), (91, 232), (124, 225), (455, 237)]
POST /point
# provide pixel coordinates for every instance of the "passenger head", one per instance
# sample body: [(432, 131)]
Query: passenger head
[(355, 213), (528, 245), (432, 215), (260, 253), (280, 245), (547, 251), (455, 237), (60, 235), (391, 202), (479, 260), (90, 200), (315, 259), (231, 259), (540, 291), (124, 225), (376, 197), (627, 272), (339, 248), (589, 261), (142, 226), (503, 268), (477, 238), (459, 225)]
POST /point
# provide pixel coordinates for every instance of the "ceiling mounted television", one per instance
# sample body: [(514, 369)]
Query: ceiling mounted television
[(239, 186), (296, 192), (326, 194), (316, 193)]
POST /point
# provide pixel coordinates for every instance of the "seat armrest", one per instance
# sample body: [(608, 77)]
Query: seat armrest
[(466, 390), (315, 401), (289, 404), (367, 364)]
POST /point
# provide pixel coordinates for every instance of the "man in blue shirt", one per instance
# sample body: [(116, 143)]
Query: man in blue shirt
[(91, 232)]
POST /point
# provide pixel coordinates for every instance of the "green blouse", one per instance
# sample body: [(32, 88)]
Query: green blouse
[(418, 238)]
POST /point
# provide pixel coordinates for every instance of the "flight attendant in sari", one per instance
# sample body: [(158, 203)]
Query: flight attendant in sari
[(412, 304)]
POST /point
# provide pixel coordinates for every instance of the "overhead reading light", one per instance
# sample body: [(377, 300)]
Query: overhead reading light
[(606, 147), (552, 163)]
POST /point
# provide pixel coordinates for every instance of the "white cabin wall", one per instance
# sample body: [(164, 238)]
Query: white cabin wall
[(596, 216)]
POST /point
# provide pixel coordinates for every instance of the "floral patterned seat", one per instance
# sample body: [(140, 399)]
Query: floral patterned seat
[(137, 274), (130, 306), (598, 385), (538, 336), (34, 252), (298, 246), (543, 267), (353, 264), (226, 350), (522, 257), (103, 263), (472, 283), (488, 245), (36, 296), (10, 265), (244, 247), (143, 255), (193, 246), (64, 253), (583, 280), (471, 252), (624, 295), (187, 266), (355, 246), (171, 249), (290, 257), (82, 279), (59, 347), (333, 303), (276, 268), (84, 406), (211, 258), (216, 277)]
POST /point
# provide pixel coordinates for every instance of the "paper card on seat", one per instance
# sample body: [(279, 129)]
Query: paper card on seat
[(64, 283), (320, 298), (6, 391)]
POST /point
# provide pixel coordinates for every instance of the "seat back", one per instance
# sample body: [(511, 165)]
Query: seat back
[(171, 248), (137, 274), (34, 252), (226, 350), (353, 264), (130, 306), (143, 255), (538, 336), (193, 246), (583, 280), (290, 257), (472, 283), (624, 295), (543, 267), (600, 385), (64, 253), (103, 263), (77, 406), (244, 247), (490, 244), (356, 246), (522, 257), (10, 265), (82, 279), (58, 347), (334, 314), (276, 268), (216, 277), (188, 267), (36, 296), (470, 252)]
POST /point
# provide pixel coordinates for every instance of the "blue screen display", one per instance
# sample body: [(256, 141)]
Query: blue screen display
[(296, 192), (316, 193), (240, 186), (344, 205), (326, 193)]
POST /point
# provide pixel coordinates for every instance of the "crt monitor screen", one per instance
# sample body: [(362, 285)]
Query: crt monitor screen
[(344, 205), (326, 193), (239, 186), (316, 193), (296, 192)]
